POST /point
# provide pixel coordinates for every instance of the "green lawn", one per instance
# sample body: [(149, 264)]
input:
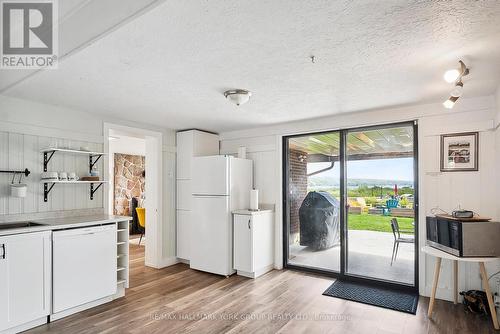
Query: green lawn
[(368, 222)]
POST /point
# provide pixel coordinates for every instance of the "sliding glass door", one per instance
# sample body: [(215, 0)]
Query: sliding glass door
[(350, 199), (313, 205), (380, 199)]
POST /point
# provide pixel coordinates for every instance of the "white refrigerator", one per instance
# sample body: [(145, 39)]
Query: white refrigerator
[(220, 185)]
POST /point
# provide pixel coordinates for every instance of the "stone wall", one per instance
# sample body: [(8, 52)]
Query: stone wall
[(298, 190), (129, 181)]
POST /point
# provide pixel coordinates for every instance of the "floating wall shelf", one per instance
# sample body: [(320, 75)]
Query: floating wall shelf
[(47, 188), (48, 153)]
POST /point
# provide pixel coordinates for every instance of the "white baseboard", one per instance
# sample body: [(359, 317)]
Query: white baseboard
[(26, 326), (256, 273), (80, 308), (166, 262)]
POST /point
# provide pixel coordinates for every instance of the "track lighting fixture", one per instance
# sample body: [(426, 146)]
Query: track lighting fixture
[(455, 76)]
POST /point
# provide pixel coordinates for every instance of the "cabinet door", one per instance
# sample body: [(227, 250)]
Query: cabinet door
[(184, 234), (25, 278), (243, 252), (184, 195), (184, 154), (4, 286), (205, 144)]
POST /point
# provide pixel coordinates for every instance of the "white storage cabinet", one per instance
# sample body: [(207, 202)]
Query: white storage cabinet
[(253, 242), (191, 143), (25, 280)]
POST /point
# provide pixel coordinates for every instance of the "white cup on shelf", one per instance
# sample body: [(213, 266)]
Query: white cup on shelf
[(63, 176)]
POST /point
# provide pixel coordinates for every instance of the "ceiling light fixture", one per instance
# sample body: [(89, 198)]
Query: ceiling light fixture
[(451, 75), (458, 90), (238, 96), (455, 76), (448, 104)]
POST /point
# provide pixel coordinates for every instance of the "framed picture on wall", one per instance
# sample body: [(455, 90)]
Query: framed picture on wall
[(460, 152)]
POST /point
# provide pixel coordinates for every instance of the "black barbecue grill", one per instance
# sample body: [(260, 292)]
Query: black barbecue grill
[(319, 217)]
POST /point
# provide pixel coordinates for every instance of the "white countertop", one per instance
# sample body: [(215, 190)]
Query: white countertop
[(251, 213), (62, 223)]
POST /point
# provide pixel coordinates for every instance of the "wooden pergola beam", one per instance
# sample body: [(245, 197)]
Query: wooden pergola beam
[(367, 156)]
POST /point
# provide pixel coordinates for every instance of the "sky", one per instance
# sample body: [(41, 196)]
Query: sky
[(384, 169)]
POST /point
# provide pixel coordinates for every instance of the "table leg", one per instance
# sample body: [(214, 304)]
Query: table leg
[(486, 286), (455, 281), (437, 268)]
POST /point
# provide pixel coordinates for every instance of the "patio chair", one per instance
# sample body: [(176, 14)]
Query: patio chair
[(396, 231), (390, 204)]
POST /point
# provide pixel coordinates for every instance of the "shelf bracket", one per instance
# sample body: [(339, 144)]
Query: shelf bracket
[(93, 190), (46, 190), (92, 162), (46, 159)]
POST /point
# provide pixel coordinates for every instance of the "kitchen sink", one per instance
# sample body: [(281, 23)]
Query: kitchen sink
[(18, 225)]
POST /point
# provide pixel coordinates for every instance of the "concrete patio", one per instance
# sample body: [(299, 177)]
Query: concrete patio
[(369, 254)]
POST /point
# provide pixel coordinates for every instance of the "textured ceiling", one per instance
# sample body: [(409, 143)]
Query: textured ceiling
[(170, 66)]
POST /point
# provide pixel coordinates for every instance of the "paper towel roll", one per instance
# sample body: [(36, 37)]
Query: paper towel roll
[(254, 199)]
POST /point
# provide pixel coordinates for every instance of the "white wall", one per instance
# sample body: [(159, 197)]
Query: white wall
[(33, 125), (127, 145), (19, 151), (473, 190)]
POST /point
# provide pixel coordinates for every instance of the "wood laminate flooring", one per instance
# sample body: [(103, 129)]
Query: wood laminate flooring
[(180, 300)]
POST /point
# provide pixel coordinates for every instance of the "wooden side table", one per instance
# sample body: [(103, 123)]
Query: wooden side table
[(439, 255)]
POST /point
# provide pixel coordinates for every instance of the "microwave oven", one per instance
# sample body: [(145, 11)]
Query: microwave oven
[(463, 238)]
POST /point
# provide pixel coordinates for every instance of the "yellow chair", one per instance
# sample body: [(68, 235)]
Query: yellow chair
[(141, 216)]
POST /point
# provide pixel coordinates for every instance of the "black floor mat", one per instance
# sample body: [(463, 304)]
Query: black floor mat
[(368, 294)]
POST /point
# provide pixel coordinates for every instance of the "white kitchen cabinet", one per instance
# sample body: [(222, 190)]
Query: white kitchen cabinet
[(253, 242), (184, 154), (184, 195), (184, 234), (25, 280), (190, 143), (193, 143)]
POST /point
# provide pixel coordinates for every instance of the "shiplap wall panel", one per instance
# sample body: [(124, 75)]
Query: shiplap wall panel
[(4, 165), (18, 151), (16, 142), (43, 142), (32, 162)]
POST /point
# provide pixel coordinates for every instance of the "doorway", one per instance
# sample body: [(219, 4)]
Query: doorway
[(128, 180), (350, 199), (144, 150)]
